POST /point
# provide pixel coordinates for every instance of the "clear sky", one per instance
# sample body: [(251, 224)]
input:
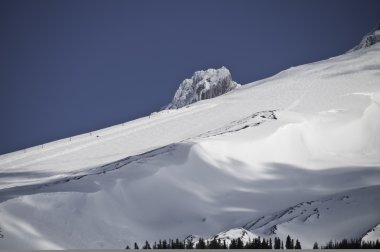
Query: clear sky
[(69, 67)]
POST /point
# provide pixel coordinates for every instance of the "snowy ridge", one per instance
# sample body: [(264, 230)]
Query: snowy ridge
[(370, 39), (203, 85)]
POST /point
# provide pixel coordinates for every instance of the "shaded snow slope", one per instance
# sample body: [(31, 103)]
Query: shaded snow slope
[(203, 85), (307, 134), (347, 215)]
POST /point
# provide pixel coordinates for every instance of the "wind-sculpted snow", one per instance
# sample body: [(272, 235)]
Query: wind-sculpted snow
[(310, 134), (42, 186), (203, 85)]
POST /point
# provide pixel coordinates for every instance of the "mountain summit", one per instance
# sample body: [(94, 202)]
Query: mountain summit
[(203, 85)]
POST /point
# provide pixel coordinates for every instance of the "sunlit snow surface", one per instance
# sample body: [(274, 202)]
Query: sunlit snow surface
[(257, 154)]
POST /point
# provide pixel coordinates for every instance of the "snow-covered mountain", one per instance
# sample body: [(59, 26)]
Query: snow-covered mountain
[(297, 153), (203, 85)]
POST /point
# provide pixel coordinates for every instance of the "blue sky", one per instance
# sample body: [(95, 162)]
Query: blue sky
[(70, 67)]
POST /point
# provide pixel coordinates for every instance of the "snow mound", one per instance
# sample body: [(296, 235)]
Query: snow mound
[(203, 85), (370, 39), (234, 233), (226, 236)]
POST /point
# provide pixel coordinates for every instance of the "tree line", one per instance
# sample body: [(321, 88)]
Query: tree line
[(352, 244), (256, 243)]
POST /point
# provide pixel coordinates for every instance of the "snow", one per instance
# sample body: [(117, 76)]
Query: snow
[(235, 233), (310, 133), (373, 234), (347, 215)]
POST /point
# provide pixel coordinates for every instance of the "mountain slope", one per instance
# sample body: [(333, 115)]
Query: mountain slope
[(347, 215), (306, 134)]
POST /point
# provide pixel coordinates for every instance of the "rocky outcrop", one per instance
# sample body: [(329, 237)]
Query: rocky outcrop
[(370, 39), (203, 85)]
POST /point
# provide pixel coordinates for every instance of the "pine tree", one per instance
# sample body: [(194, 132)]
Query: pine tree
[(277, 243), (298, 245), (257, 244), (224, 245), (189, 244), (288, 243), (264, 244), (270, 243), (282, 245), (239, 244), (127, 247), (315, 246), (201, 244), (233, 244), (164, 244), (136, 246), (248, 244), (177, 244), (159, 245), (147, 245), (214, 244), (181, 244)]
